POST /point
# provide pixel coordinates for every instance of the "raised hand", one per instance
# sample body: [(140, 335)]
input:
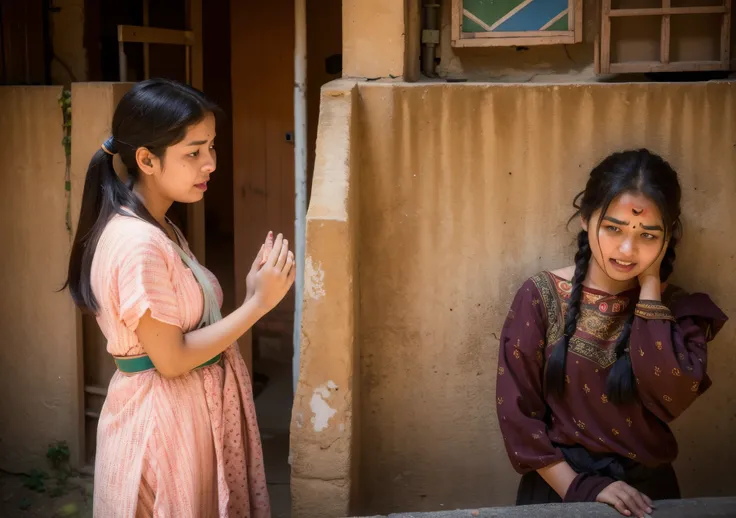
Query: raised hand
[(276, 276)]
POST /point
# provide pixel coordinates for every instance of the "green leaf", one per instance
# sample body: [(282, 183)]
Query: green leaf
[(25, 504), (70, 509)]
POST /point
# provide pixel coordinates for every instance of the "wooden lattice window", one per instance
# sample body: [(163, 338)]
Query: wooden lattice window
[(488, 23), (641, 36)]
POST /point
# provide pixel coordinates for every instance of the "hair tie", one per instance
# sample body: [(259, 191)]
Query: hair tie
[(109, 146)]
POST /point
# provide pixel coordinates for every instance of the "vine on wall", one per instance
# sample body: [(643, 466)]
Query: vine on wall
[(65, 103)]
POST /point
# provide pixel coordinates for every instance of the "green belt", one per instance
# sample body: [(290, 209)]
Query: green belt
[(144, 363)]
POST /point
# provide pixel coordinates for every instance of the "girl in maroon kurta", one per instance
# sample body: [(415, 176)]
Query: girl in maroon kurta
[(597, 358)]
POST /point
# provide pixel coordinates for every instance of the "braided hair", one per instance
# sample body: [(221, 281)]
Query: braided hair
[(636, 171)]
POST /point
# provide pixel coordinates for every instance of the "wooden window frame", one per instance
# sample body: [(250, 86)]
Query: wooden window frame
[(525, 38), (603, 64)]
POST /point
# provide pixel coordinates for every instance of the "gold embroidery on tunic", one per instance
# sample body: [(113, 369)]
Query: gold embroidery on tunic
[(601, 320)]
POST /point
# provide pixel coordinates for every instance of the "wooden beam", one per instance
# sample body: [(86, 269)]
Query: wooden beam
[(122, 62), (568, 39), (597, 40), (138, 34), (194, 8), (195, 211), (664, 42), (412, 52), (519, 34), (606, 37), (661, 11), (643, 67), (97, 391), (726, 37), (146, 46), (188, 62), (457, 20), (577, 14)]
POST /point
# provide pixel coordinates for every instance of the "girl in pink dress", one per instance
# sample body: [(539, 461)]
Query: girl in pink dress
[(177, 436)]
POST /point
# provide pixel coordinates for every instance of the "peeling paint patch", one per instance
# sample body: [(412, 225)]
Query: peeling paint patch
[(314, 278), (321, 410)]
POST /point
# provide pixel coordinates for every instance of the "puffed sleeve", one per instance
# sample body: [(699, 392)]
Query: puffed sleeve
[(519, 401), (669, 351)]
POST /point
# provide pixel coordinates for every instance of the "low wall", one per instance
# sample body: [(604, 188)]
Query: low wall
[(699, 507), (39, 332), (458, 193)]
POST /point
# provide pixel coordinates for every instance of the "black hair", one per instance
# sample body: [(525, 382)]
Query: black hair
[(154, 114), (636, 171)]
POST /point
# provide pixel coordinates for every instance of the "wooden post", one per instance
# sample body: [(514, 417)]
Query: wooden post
[(597, 40), (726, 37), (300, 170), (192, 40), (606, 37), (664, 51), (195, 211), (577, 14), (123, 62), (146, 46)]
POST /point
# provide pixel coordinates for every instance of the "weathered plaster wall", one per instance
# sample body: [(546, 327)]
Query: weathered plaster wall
[(93, 106), (325, 418), (464, 191), (373, 38), (38, 325)]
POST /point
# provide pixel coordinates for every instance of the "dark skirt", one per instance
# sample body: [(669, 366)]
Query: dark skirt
[(658, 483)]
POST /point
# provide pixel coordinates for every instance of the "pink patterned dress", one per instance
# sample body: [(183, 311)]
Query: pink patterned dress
[(187, 447)]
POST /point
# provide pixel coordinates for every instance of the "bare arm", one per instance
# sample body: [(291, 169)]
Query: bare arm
[(559, 476), (175, 353)]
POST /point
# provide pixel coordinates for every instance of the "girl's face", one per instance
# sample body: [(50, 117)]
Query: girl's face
[(630, 238), (184, 170)]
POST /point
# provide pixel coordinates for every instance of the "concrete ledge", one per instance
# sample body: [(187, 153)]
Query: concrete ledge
[(692, 508)]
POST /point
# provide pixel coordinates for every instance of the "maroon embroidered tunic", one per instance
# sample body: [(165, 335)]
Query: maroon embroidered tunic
[(668, 353)]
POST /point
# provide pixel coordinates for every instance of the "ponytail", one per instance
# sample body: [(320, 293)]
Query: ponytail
[(104, 195)]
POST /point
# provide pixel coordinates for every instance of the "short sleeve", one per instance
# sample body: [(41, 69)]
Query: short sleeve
[(145, 283)]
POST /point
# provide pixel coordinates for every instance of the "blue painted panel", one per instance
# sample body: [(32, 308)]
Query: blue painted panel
[(534, 16)]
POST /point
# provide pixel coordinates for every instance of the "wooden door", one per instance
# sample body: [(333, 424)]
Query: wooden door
[(262, 47)]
